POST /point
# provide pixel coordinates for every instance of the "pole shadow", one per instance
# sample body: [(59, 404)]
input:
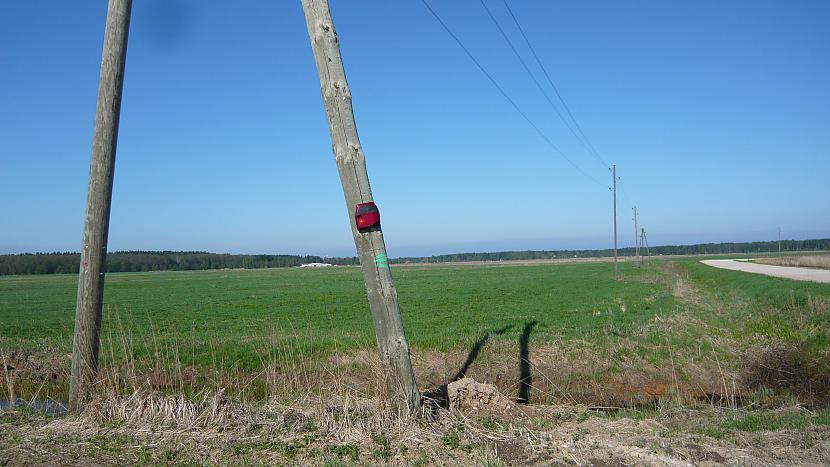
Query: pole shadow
[(525, 378), (439, 398), (475, 350)]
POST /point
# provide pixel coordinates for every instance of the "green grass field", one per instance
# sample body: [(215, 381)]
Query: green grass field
[(665, 311), (443, 307)]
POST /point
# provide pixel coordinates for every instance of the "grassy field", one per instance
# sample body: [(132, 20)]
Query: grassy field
[(604, 363), (443, 307), (238, 322)]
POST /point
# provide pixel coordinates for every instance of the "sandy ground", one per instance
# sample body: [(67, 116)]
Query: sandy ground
[(800, 274)]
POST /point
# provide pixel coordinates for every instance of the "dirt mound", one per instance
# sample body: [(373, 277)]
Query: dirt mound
[(467, 393)]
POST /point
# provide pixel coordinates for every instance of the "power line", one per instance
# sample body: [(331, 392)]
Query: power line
[(506, 96), (622, 191), (538, 84), (555, 89), (584, 138)]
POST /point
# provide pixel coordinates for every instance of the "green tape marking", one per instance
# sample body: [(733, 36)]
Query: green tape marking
[(381, 260)]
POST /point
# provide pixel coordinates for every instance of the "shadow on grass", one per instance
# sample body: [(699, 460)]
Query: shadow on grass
[(475, 350), (525, 378), (439, 398)]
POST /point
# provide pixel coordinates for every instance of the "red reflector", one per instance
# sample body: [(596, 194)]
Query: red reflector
[(366, 216)]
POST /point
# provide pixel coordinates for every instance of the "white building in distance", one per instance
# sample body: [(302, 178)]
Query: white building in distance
[(316, 265)]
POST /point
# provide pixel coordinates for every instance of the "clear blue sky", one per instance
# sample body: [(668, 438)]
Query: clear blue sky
[(717, 114)]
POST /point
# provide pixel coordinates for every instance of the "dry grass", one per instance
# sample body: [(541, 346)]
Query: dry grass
[(806, 261), (789, 369), (150, 428), (10, 395)]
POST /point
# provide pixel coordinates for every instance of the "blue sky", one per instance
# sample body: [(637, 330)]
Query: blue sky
[(716, 113)]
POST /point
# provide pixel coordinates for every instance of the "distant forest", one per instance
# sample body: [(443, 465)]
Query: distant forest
[(699, 249), (132, 261)]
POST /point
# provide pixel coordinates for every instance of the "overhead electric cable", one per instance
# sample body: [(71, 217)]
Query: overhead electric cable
[(555, 89), (621, 190), (539, 85), (506, 96)]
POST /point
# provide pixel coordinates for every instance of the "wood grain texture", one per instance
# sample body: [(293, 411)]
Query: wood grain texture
[(351, 164), (96, 221)]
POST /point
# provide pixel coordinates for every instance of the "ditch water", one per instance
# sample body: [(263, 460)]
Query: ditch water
[(47, 406)]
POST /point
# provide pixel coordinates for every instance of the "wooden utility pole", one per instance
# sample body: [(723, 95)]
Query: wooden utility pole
[(351, 164), (644, 242), (99, 196), (614, 175), (779, 241), (636, 237)]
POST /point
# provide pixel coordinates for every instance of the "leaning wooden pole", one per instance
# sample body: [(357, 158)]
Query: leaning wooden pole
[(351, 164), (96, 221), (614, 174)]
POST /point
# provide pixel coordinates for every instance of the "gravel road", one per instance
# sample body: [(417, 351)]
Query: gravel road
[(799, 274)]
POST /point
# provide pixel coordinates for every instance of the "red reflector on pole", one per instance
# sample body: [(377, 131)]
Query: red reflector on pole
[(366, 216)]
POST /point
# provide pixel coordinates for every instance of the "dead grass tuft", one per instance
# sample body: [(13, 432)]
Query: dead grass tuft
[(790, 370), (145, 409)]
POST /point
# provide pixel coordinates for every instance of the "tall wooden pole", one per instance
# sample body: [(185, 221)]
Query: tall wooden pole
[(99, 196), (636, 237), (351, 164), (779, 241), (614, 174)]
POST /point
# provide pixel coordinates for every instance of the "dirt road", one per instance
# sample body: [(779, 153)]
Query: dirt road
[(799, 274)]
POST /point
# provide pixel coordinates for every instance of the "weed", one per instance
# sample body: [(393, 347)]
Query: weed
[(451, 439), (422, 461), (383, 451), (351, 451), (489, 422), (112, 442)]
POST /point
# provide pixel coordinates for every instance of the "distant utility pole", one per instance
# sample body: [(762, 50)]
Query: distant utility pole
[(644, 242), (614, 176), (636, 236), (351, 164), (99, 196), (779, 241)]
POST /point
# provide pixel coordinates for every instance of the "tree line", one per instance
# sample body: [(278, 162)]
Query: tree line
[(135, 261), (698, 249)]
